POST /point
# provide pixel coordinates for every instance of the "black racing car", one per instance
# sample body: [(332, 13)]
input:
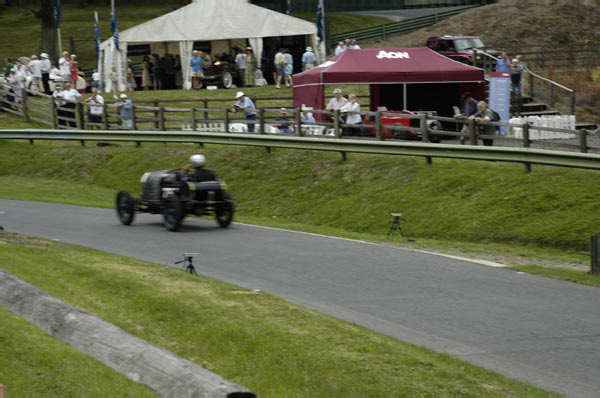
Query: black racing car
[(173, 194)]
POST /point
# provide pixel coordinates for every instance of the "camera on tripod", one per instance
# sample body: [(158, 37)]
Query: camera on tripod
[(188, 259)]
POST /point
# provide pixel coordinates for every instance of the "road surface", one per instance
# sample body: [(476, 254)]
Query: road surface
[(540, 330)]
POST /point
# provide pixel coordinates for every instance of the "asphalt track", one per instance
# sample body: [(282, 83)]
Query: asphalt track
[(540, 330)]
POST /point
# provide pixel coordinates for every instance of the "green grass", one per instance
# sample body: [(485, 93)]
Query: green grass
[(34, 364), (275, 348)]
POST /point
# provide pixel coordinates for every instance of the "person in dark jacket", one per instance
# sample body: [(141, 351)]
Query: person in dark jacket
[(196, 171)]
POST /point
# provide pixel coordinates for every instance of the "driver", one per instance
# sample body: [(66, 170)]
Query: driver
[(196, 171)]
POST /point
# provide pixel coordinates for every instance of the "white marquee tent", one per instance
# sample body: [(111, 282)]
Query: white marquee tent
[(204, 20)]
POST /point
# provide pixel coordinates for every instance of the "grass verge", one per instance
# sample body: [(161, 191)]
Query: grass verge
[(275, 348)]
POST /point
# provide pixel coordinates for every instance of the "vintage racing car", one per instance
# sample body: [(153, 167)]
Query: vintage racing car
[(399, 121), (172, 194)]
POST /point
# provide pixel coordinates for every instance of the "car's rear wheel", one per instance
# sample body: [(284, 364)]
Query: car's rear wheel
[(224, 211), (401, 134), (227, 80), (172, 212), (125, 207)]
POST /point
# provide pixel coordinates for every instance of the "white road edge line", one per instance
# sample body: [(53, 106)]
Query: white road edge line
[(470, 260)]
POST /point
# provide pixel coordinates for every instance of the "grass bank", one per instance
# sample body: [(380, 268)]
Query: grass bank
[(273, 347)]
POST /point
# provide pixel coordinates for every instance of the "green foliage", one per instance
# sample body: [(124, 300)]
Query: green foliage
[(275, 348)]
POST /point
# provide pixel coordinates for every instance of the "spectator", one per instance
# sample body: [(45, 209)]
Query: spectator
[(337, 102), (74, 71), (503, 64), (125, 108), (284, 126), (70, 97), (8, 66), (354, 45), (156, 73), (340, 48), (63, 65), (523, 66), (484, 115), (307, 116), (515, 76), (351, 109), (146, 72), (131, 84), (469, 108), (46, 67), (96, 105), (21, 71), (240, 61), (16, 86), (249, 80), (279, 67), (347, 44), (245, 105), (114, 81), (196, 65), (308, 59), (57, 95), (170, 72), (289, 67), (96, 79), (35, 67)]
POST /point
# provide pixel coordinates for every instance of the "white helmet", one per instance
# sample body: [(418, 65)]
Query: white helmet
[(197, 160)]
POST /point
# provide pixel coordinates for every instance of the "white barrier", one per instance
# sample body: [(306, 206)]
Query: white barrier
[(565, 122)]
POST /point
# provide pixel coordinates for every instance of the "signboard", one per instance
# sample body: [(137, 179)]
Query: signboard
[(138, 50), (499, 97)]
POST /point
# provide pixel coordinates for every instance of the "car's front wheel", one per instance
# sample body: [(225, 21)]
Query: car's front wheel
[(125, 207), (224, 211), (172, 212), (227, 80)]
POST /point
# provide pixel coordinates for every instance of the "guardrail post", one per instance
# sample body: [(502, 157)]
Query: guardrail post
[(156, 115), (378, 130), (526, 144), (261, 120), (594, 255), (298, 120), (336, 123), (425, 134), (24, 104), (161, 119), (472, 132), (133, 118), (530, 84), (53, 114), (583, 147), (226, 120), (80, 115)]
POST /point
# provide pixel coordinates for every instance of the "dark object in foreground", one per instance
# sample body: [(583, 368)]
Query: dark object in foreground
[(172, 194)]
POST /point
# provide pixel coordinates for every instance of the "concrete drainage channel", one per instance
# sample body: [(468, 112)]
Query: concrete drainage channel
[(138, 360)]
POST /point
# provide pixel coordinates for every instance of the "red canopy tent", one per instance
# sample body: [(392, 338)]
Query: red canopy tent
[(400, 78)]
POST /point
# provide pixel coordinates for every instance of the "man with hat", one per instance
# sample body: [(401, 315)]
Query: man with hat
[(249, 79), (245, 104), (469, 108), (284, 126), (35, 67), (308, 59), (125, 107), (46, 66)]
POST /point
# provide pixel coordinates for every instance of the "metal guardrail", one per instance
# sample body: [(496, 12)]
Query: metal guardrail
[(526, 156), (383, 31)]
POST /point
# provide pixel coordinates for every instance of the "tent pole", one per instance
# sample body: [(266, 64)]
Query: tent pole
[(404, 96)]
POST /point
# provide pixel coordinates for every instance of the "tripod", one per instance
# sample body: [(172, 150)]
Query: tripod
[(187, 260), (396, 227)]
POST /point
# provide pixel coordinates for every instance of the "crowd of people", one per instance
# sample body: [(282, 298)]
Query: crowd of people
[(516, 68)]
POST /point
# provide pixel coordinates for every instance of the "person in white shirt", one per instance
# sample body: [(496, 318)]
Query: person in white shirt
[(337, 102), (308, 59), (46, 67), (21, 71), (60, 113), (354, 45), (340, 48), (70, 96), (240, 60), (351, 110), (96, 104), (65, 69), (35, 67)]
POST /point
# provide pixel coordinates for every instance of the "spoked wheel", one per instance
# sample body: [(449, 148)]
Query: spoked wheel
[(172, 213), (125, 207), (224, 212), (227, 80)]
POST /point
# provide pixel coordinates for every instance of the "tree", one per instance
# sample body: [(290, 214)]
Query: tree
[(48, 40)]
